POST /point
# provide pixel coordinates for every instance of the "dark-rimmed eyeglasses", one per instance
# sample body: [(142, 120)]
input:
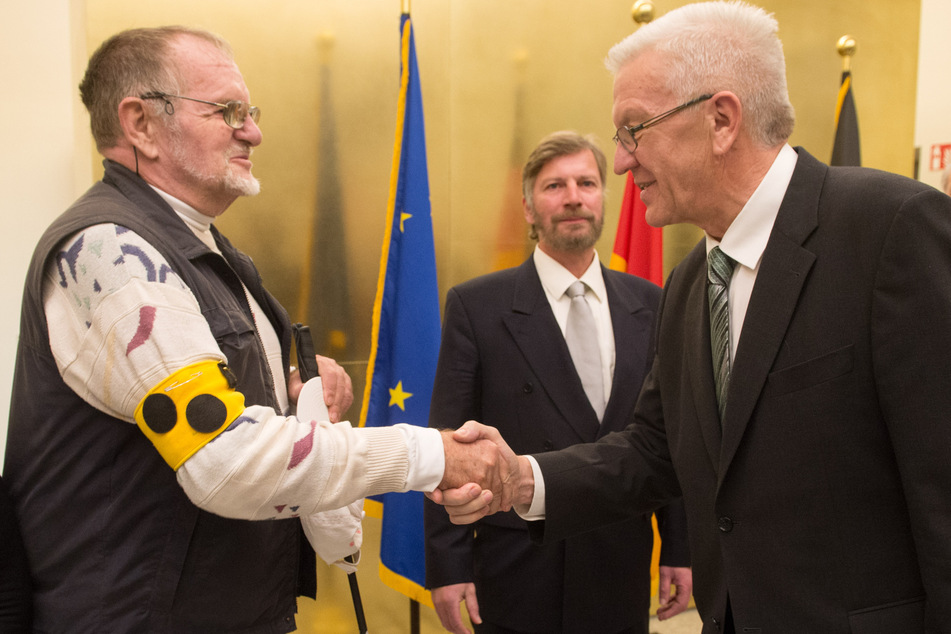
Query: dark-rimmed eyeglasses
[(235, 113), (625, 134)]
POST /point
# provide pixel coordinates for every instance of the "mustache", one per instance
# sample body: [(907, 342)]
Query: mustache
[(574, 215), (243, 149)]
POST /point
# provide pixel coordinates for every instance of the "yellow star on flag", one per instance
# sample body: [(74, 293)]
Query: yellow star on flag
[(398, 396)]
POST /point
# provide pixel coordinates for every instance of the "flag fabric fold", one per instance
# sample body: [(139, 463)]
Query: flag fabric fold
[(846, 149), (406, 327), (638, 247)]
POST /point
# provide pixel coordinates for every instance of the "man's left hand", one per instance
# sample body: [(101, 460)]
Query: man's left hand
[(337, 387), (682, 580)]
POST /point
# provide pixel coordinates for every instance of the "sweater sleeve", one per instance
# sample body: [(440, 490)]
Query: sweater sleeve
[(121, 321)]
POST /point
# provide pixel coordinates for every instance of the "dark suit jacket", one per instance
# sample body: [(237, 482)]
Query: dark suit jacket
[(504, 361), (825, 504)]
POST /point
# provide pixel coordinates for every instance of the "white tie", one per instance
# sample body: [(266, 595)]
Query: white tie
[(581, 335)]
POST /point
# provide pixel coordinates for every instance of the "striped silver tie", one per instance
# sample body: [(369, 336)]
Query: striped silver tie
[(719, 271)]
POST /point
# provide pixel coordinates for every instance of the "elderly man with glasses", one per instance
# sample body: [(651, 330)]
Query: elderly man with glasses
[(159, 477), (799, 394)]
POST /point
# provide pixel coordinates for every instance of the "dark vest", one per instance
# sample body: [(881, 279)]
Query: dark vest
[(114, 543)]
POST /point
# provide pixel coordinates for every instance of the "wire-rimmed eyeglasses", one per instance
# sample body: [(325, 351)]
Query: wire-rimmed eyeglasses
[(235, 113), (625, 134)]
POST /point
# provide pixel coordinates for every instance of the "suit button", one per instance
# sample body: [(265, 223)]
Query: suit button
[(527, 388), (716, 624), (549, 445), (725, 524)]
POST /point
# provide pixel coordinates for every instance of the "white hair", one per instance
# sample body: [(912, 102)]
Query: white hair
[(708, 47)]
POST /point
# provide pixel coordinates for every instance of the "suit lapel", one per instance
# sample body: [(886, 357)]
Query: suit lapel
[(779, 282), (698, 357), (537, 335)]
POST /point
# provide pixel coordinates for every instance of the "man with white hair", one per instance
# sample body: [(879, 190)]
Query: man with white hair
[(799, 395)]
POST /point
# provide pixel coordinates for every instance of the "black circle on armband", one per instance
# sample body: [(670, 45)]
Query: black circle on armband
[(158, 412), (206, 413)]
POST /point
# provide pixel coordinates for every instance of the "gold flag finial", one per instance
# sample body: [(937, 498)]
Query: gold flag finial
[(643, 11), (846, 47)]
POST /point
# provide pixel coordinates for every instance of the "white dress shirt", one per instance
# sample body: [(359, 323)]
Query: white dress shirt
[(555, 280), (745, 239)]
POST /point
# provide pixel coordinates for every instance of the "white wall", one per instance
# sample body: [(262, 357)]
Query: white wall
[(933, 114), (47, 157)]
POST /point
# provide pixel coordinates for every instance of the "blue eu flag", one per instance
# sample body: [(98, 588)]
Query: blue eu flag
[(406, 327)]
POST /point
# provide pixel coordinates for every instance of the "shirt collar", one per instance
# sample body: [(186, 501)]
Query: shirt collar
[(745, 239), (199, 223), (556, 279)]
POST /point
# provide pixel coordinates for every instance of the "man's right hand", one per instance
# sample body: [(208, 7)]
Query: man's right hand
[(478, 482), (476, 453), (446, 599)]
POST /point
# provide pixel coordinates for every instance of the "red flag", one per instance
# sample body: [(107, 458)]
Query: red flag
[(638, 247)]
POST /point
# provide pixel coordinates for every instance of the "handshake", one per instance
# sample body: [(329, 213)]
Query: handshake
[(483, 475)]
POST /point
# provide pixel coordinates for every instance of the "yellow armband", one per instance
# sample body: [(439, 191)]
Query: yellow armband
[(189, 409)]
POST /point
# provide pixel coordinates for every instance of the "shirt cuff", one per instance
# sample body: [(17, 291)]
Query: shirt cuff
[(536, 511), (427, 458)]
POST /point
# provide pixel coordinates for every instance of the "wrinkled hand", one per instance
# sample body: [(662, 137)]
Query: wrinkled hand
[(477, 453), (682, 580), (446, 600), (465, 504), (338, 389), (480, 484)]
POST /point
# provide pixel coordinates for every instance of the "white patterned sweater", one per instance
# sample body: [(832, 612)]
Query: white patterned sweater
[(121, 321)]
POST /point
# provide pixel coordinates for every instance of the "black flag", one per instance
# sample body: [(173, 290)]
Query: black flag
[(845, 150)]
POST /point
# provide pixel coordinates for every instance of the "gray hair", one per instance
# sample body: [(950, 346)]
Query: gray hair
[(712, 46), (130, 64)]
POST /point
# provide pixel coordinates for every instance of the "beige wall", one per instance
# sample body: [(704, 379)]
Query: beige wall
[(476, 59), (45, 161)]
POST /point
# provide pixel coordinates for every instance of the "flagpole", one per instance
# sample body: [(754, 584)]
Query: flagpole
[(845, 144), (846, 48), (404, 4)]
